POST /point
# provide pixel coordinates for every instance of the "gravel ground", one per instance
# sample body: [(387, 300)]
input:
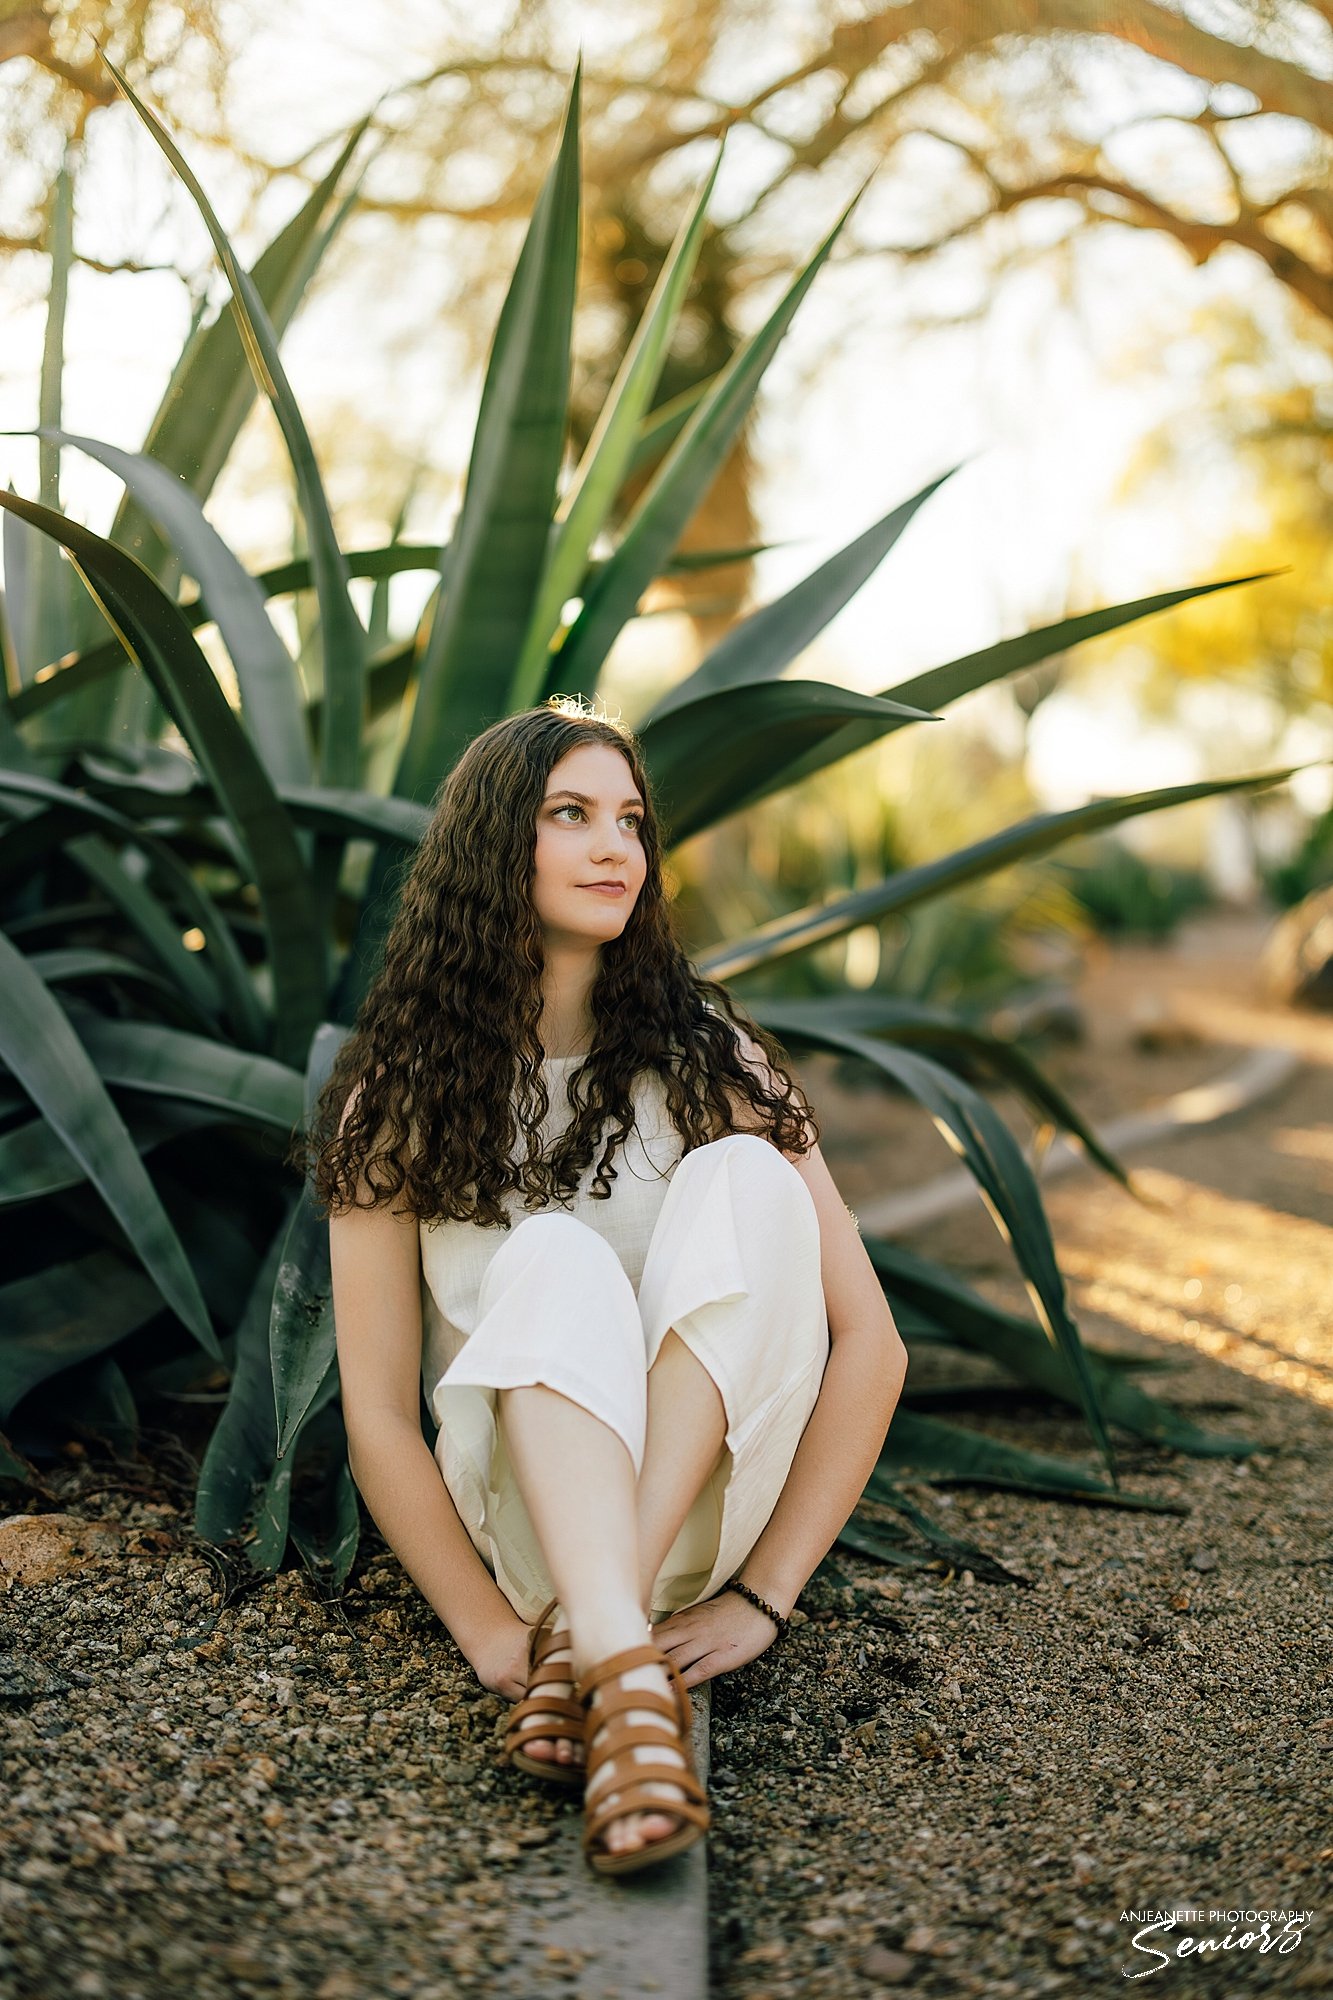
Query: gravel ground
[(935, 1785)]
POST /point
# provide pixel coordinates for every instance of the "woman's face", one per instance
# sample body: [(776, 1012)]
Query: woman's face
[(588, 832)]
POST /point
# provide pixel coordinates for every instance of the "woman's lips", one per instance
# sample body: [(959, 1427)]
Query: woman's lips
[(604, 888)]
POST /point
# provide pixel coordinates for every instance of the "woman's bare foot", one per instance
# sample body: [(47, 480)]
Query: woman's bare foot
[(555, 1748), (635, 1829)]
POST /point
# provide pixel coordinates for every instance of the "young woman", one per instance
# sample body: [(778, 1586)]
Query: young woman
[(676, 1367)]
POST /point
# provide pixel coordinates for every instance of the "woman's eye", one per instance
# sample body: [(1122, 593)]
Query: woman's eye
[(636, 817)]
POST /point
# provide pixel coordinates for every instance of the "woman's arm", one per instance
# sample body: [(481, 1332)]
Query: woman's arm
[(375, 1256)]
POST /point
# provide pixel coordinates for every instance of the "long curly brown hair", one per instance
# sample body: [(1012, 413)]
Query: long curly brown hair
[(446, 1051)]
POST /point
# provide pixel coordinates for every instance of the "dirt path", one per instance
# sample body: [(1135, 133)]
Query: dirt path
[(939, 1786), (1151, 1723)]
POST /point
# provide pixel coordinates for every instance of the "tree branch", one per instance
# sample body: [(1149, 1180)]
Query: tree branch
[(29, 34), (1200, 239)]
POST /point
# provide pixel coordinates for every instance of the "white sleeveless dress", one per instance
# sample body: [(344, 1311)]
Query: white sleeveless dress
[(722, 1244)]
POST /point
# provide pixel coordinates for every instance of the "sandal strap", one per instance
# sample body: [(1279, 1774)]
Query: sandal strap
[(644, 1774), (627, 1735), (615, 1701), (538, 1628), (635, 1733), (634, 1799), (682, 1694), (554, 1642), (548, 1676), (620, 1663), (557, 1704)]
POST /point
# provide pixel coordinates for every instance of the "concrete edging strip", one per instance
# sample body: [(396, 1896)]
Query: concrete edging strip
[(637, 1937)]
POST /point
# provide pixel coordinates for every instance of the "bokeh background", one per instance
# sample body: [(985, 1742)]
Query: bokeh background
[(1094, 265)]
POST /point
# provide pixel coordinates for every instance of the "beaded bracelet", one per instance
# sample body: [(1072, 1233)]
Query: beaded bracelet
[(754, 1597)]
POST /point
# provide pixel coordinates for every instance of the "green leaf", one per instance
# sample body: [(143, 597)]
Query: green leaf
[(212, 389), (265, 672), (490, 579), (56, 1318), (586, 508), (238, 1460), (760, 646), (394, 559), (343, 635), (41, 605), (938, 686), (325, 1521), (168, 1062), (662, 426), (156, 635), (689, 562), (77, 963), (192, 972), (919, 1024), (927, 1448), (1025, 1351), (704, 757), (301, 1333), (35, 1161), (889, 1543), (97, 1400), (357, 815), (977, 1133), (352, 815), (805, 929), (268, 1543), (680, 484), (42, 1050), (377, 630)]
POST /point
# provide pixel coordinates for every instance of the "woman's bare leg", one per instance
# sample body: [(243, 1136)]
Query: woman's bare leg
[(687, 1427), (577, 1482)]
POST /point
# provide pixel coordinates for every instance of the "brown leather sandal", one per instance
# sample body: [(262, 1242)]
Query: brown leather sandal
[(607, 1734), (524, 1719)]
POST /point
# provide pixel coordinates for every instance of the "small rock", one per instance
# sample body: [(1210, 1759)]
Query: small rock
[(1203, 1559), (36, 1547), (454, 1774), (773, 1953), (923, 1939), (339, 1985), (24, 1679), (890, 1968)]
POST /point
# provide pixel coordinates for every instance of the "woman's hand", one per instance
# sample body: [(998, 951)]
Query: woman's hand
[(499, 1658), (715, 1637)]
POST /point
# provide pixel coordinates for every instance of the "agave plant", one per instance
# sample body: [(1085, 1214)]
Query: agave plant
[(187, 932)]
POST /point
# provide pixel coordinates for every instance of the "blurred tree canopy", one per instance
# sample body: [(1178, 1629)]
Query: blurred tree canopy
[(46, 104), (1213, 135), (1278, 424), (996, 134)]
